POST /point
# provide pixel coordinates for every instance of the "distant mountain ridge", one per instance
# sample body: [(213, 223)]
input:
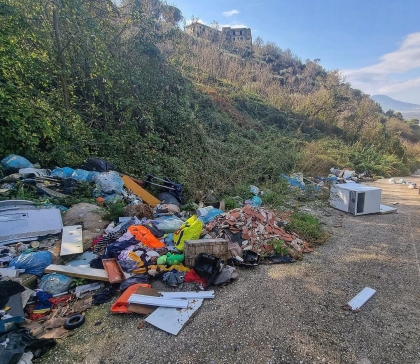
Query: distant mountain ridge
[(388, 103)]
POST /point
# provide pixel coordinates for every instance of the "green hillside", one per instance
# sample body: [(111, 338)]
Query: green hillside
[(125, 83)]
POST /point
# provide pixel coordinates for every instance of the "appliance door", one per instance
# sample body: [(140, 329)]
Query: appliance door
[(353, 202)]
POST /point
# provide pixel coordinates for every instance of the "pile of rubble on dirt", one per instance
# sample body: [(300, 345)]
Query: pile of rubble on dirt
[(56, 262)]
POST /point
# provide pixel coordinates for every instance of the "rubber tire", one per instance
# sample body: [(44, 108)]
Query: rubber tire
[(74, 322)]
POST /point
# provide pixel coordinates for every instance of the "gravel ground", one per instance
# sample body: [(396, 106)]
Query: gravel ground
[(290, 313)]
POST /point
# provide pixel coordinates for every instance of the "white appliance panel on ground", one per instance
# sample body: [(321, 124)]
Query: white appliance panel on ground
[(356, 198)]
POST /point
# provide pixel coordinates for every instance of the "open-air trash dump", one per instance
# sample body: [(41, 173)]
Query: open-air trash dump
[(57, 262)]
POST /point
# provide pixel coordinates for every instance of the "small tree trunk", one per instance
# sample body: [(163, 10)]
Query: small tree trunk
[(61, 60)]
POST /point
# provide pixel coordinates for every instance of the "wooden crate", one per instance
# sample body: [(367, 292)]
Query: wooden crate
[(216, 247)]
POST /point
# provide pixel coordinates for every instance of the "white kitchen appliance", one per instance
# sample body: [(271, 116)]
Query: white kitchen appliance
[(355, 198)]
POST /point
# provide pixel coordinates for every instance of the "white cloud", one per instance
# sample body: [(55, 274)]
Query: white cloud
[(391, 74), (400, 86), (230, 13)]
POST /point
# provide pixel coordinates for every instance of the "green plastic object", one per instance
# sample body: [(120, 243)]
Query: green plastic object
[(173, 259)]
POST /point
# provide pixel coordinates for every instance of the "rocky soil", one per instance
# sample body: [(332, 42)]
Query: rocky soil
[(290, 313)]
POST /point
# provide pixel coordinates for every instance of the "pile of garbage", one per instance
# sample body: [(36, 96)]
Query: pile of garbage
[(55, 264)]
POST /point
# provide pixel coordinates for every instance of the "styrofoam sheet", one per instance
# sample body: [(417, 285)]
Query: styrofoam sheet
[(172, 320), (188, 295), (72, 240), (361, 298), (157, 301), (387, 209)]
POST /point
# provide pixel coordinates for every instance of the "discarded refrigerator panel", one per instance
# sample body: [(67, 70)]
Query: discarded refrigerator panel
[(22, 220), (356, 198)]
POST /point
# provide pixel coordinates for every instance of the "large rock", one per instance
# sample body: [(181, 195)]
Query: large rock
[(90, 217)]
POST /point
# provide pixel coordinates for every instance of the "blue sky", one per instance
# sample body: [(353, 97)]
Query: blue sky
[(374, 43)]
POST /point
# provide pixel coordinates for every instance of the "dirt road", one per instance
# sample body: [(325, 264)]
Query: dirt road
[(290, 313)]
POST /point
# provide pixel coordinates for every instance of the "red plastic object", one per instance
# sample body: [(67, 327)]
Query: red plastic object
[(113, 270), (120, 306)]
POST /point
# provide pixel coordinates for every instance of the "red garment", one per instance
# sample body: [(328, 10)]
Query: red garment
[(193, 277), (96, 240), (57, 300), (36, 316)]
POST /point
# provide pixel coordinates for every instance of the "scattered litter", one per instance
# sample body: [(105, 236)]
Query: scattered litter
[(361, 298), (387, 209)]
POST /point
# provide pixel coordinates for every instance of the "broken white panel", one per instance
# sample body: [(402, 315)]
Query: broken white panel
[(9, 272), (361, 298), (72, 240), (157, 301), (188, 295), (20, 220), (172, 320), (387, 209)]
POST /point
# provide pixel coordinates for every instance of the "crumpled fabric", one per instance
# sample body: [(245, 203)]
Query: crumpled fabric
[(126, 236), (173, 279), (103, 296), (193, 277), (43, 301), (139, 278), (141, 266), (128, 265)]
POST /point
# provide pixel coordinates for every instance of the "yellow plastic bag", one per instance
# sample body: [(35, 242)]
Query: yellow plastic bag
[(189, 230)]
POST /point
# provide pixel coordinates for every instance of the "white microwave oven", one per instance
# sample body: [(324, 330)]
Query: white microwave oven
[(355, 198)]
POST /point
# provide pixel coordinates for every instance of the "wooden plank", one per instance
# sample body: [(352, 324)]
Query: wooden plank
[(139, 191), (72, 240), (172, 320), (80, 272), (157, 301), (361, 298)]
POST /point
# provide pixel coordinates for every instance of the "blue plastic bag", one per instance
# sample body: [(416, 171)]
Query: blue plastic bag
[(14, 161), (211, 214), (109, 182), (168, 224), (55, 283), (84, 176), (33, 263), (256, 201), (64, 172)]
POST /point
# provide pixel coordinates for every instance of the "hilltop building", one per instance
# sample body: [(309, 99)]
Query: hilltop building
[(227, 34)]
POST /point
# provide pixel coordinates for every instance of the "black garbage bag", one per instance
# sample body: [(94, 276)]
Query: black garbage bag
[(279, 259), (97, 165), (15, 343)]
